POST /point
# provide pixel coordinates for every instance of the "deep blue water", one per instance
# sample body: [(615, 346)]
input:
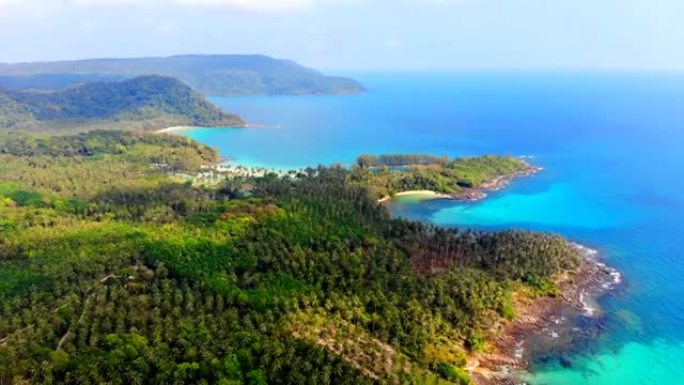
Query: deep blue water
[(611, 146)]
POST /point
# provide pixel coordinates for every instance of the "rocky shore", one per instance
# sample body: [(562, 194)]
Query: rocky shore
[(496, 184), (546, 325)]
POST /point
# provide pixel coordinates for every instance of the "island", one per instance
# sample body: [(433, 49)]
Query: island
[(216, 75), (394, 175), (129, 257), (142, 103)]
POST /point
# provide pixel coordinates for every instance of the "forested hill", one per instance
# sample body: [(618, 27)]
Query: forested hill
[(146, 102), (125, 260), (219, 75)]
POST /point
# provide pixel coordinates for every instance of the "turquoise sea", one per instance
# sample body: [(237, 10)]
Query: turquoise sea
[(612, 150)]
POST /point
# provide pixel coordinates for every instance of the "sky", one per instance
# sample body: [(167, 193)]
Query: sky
[(643, 35)]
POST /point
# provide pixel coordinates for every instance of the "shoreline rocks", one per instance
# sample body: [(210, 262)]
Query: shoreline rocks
[(549, 326)]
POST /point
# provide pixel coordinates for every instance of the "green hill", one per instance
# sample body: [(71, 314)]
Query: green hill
[(147, 102), (13, 114), (219, 75)]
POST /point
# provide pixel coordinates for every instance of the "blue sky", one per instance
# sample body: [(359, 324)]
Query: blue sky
[(358, 34)]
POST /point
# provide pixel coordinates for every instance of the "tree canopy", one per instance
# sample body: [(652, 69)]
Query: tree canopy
[(146, 102), (119, 272)]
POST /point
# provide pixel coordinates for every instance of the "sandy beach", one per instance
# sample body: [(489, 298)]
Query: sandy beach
[(172, 130), (426, 194), (177, 129)]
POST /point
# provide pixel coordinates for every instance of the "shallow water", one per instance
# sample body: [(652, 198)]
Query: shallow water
[(613, 179)]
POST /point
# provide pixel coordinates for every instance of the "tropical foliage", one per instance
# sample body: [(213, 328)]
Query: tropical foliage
[(122, 274)]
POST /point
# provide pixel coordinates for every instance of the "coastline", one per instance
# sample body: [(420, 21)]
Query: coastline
[(177, 129), (545, 321), (256, 125)]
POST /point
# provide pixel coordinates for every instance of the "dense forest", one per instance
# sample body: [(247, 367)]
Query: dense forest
[(127, 259), (220, 75), (146, 102), (385, 175)]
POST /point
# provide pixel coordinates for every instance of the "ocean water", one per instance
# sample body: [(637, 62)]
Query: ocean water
[(612, 150)]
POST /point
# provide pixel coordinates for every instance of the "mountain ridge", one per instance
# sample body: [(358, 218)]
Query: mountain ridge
[(146, 102), (217, 75)]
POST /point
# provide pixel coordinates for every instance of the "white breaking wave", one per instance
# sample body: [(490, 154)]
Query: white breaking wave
[(519, 350), (584, 250), (586, 309)]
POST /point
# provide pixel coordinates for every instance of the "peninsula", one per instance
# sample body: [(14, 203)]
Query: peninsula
[(388, 176)]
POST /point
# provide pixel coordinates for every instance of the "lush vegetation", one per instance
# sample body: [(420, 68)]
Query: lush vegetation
[(389, 174), (398, 160), (121, 272), (147, 102), (210, 74)]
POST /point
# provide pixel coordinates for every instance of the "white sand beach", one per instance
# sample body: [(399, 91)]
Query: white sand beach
[(172, 130)]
